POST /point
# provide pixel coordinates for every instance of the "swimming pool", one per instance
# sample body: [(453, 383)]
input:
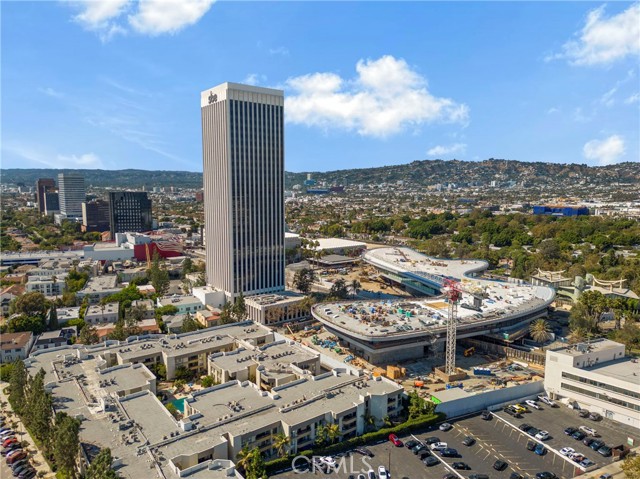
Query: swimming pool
[(179, 404)]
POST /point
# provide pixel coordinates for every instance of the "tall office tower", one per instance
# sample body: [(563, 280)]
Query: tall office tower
[(71, 194), (95, 216), (129, 211), (51, 203), (42, 186), (243, 160)]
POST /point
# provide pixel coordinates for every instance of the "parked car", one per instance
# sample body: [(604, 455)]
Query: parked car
[(431, 440), (364, 451), (371, 474), (524, 427), (9, 440), (605, 451), (570, 430), (430, 461), (16, 457), (22, 467), (424, 454), (411, 443), (515, 475), (478, 476), (469, 441), (531, 445), (449, 452), (578, 435), (382, 473), (438, 446), (394, 439), (587, 441), (445, 426), (28, 474), (589, 431), (546, 475), (460, 465), (486, 415), (11, 448), (567, 451), (449, 475), (597, 444), (533, 404), (512, 412), (18, 463), (594, 416), (583, 413), (576, 457), (587, 462), (542, 435), (533, 431), (500, 465), (540, 450), (418, 449)]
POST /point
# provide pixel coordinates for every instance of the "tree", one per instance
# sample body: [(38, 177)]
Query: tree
[(172, 409), (338, 290), (53, 318), (243, 458), (281, 442), (88, 335), (30, 304), (303, 279), (187, 266), (631, 466), (38, 410), (239, 309), (17, 387), (66, 444), (158, 275), (355, 286), (539, 331), (333, 433), (100, 467), (183, 374), (629, 335), (321, 435), (207, 382), (226, 315), (35, 324), (255, 468), (189, 324), (577, 335), (75, 280)]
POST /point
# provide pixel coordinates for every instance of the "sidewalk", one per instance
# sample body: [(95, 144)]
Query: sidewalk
[(37, 459)]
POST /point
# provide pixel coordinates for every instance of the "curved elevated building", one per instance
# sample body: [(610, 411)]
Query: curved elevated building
[(390, 331)]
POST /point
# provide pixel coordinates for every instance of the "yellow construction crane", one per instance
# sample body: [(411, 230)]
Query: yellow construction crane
[(146, 248)]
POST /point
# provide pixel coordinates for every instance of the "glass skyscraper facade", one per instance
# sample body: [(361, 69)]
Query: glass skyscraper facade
[(243, 164)]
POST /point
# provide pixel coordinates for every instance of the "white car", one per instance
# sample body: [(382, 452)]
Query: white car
[(567, 451), (382, 473), (589, 431), (542, 435), (445, 426), (438, 446), (547, 400), (533, 404)]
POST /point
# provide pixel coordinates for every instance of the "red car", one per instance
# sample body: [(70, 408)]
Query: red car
[(394, 439), (16, 457), (11, 440)]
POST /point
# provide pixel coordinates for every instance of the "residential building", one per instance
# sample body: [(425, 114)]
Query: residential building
[(99, 287), (275, 308), (14, 346), (185, 304), (95, 216), (598, 376), (47, 285), (55, 339), (71, 193), (243, 162), (102, 313), (42, 186), (129, 211)]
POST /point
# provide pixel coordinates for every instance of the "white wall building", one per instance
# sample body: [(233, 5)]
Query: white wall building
[(597, 376)]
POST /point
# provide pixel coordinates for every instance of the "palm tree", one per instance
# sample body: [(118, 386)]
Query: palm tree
[(577, 335), (539, 331), (355, 286), (281, 442), (243, 458), (369, 421), (333, 433)]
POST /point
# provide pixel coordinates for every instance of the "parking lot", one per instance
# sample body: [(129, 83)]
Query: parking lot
[(495, 439)]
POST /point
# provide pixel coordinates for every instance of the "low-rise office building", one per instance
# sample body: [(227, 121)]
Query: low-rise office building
[(185, 304), (276, 308), (99, 287), (598, 376)]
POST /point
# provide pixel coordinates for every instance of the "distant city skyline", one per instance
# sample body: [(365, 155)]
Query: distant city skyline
[(110, 84)]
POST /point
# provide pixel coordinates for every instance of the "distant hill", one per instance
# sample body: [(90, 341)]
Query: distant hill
[(419, 173)]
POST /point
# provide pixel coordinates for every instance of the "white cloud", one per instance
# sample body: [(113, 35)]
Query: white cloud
[(254, 79), (552, 110), (109, 18), (279, 51), (604, 40), (606, 151), (635, 98), (607, 99), (88, 160), (51, 92), (155, 17), (445, 150), (384, 98)]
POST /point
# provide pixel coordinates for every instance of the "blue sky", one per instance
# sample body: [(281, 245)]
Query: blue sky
[(115, 84)]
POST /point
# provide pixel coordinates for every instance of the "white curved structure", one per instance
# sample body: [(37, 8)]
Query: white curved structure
[(389, 331)]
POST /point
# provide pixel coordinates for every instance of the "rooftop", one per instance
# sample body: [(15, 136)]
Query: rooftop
[(176, 300), (15, 340), (338, 243), (98, 284), (626, 369)]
